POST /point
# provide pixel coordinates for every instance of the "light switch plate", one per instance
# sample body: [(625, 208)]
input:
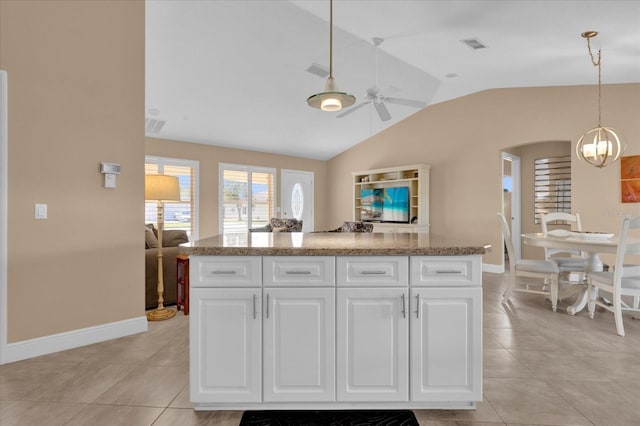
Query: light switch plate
[(41, 211), (109, 180)]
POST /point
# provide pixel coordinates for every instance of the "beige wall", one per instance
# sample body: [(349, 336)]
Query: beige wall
[(76, 98), (462, 140), (209, 158)]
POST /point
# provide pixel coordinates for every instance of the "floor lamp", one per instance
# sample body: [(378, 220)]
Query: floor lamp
[(161, 188)]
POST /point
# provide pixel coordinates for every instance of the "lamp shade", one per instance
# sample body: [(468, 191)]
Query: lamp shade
[(161, 188)]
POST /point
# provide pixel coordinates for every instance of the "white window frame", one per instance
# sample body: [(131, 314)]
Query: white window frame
[(243, 168), (195, 165)]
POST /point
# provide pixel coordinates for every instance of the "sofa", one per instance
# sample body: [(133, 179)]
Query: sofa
[(280, 225), (171, 239)]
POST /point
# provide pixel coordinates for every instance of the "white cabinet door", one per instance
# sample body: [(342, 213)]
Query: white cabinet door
[(446, 344), (299, 344), (225, 345), (372, 344)]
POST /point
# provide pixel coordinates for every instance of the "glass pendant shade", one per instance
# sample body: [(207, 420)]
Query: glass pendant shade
[(331, 99), (599, 146)]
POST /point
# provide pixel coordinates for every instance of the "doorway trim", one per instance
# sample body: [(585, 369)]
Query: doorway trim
[(516, 201)]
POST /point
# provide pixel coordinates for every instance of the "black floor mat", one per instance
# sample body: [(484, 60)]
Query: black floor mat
[(329, 418)]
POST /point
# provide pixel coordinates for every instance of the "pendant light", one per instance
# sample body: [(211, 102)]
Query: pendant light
[(601, 145), (331, 99)]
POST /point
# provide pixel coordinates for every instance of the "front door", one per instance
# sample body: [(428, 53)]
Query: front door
[(297, 197)]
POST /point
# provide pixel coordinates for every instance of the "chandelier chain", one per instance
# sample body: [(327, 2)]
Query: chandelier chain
[(597, 63)]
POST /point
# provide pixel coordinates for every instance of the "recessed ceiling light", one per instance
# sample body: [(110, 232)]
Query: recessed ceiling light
[(154, 111)]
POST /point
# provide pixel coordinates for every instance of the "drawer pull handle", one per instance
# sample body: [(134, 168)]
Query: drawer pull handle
[(223, 272), (448, 271), (298, 272), (404, 307), (373, 273)]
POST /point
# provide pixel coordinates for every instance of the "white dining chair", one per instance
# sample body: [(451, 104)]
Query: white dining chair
[(570, 260), (623, 281), (521, 271)]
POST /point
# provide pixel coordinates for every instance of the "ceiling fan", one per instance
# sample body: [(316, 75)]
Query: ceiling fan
[(377, 99)]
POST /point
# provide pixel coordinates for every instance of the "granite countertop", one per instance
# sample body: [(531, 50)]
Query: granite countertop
[(330, 244)]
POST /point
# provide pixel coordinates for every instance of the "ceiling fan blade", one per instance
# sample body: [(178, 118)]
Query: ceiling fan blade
[(350, 110), (406, 102), (383, 112)]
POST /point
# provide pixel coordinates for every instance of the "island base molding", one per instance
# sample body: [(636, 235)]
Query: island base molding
[(262, 406)]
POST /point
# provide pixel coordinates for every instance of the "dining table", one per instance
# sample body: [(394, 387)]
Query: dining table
[(591, 244)]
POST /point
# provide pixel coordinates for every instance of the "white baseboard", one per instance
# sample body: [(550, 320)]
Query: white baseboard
[(73, 339), (494, 269)]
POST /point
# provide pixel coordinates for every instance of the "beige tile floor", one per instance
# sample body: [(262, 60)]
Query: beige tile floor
[(540, 368)]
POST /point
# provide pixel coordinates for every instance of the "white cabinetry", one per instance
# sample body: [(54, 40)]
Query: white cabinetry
[(321, 332), (225, 345), (414, 177), (299, 336), (372, 349), (446, 344)]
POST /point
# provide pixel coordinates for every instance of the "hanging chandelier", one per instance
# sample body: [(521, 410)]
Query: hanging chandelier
[(331, 99), (601, 145)]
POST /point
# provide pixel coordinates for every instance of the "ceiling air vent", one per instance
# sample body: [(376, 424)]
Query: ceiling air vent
[(319, 70), (153, 125), (474, 43)]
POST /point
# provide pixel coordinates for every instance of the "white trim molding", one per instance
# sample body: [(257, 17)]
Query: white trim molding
[(494, 269), (4, 207), (73, 339)]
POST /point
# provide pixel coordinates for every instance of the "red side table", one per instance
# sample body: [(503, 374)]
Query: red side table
[(182, 292)]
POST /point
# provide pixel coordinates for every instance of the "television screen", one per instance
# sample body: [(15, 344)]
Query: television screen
[(395, 206), (371, 204)]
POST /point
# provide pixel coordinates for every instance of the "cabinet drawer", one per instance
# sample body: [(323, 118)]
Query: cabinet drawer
[(436, 271), (368, 271), (225, 271), (311, 271)]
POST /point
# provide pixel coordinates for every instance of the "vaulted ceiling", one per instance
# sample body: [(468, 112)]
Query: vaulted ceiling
[(234, 73)]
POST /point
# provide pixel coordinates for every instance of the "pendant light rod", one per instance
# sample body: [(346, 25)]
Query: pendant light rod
[(330, 38)]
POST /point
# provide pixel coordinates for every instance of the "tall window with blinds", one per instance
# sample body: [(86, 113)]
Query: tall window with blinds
[(552, 190), (182, 215)]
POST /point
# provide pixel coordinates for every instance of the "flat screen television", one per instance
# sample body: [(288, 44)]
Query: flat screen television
[(385, 204)]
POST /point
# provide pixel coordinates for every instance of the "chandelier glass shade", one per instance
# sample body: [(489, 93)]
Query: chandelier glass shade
[(600, 145), (331, 99)]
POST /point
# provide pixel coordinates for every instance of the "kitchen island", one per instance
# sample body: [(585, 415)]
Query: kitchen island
[(334, 320)]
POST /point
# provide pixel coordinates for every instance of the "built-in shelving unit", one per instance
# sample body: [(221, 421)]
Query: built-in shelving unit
[(414, 177)]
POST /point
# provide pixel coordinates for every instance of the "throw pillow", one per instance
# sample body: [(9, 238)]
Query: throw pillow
[(150, 239), (280, 229), (174, 237)]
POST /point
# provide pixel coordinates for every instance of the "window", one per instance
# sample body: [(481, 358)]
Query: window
[(247, 197), (182, 215), (552, 190)]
